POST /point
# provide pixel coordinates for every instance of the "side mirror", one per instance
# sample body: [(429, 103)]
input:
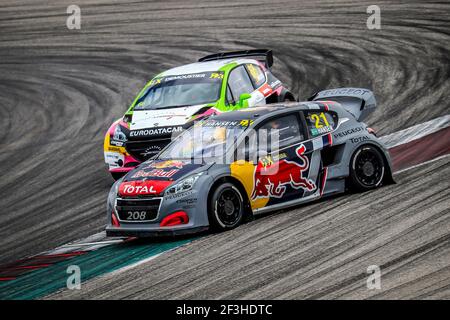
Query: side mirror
[(243, 99)]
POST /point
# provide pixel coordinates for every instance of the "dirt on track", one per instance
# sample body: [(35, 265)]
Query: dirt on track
[(60, 89)]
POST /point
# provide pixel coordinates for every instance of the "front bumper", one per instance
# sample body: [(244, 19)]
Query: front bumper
[(157, 233), (192, 202)]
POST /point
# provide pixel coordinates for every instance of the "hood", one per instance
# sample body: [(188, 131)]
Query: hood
[(153, 177), (143, 119)]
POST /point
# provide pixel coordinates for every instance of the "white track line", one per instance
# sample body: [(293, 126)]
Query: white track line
[(416, 132), (93, 243), (133, 265)]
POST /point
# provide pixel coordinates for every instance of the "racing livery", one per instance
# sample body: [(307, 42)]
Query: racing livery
[(234, 165), (174, 99)]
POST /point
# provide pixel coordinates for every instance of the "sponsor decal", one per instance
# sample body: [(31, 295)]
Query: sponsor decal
[(321, 130), (218, 123), (116, 149), (116, 143), (359, 139), (347, 132), (151, 150), (167, 164), (114, 159), (119, 136), (155, 81), (187, 201), (158, 173), (253, 72), (134, 190), (155, 131), (271, 178), (185, 76), (353, 91), (179, 195), (266, 90), (274, 84), (146, 187), (246, 123), (216, 75)]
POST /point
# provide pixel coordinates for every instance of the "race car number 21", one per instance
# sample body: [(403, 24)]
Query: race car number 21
[(317, 120)]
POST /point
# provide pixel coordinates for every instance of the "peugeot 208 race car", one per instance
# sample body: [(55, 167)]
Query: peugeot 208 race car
[(175, 98), (250, 161)]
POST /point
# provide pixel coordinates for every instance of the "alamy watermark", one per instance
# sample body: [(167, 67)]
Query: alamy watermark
[(373, 282), (74, 279), (374, 20), (73, 21)]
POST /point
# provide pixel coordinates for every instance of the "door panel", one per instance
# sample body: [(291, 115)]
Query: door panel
[(291, 171)]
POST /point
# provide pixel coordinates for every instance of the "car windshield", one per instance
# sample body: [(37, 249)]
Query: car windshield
[(180, 91), (206, 139)]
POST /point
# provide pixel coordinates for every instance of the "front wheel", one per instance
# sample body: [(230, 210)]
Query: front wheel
[(226, 207), (367, 169)]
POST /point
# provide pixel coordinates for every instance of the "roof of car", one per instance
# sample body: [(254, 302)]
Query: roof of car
[(260, 111), (207, 66), (257, 111)]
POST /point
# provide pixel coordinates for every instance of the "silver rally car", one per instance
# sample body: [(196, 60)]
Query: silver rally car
[(235, 165)]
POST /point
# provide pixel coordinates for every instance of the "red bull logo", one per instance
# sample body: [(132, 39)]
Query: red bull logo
[(167, 164), (271, 178), (155, 173)]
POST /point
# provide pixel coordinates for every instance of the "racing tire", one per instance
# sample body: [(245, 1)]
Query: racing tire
[(117, 175), (225, 208), (367, 169)]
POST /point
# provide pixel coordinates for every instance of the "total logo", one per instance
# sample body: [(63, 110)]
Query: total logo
[(145, 187), (132, 190)]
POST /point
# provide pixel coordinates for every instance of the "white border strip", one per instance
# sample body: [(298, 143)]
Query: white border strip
[(416, 132)]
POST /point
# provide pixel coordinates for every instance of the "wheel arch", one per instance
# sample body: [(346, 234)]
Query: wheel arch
[(248, 212), (388, 177), (286, 95)]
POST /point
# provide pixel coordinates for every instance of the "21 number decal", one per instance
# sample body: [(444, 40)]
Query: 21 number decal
[(317, 120)]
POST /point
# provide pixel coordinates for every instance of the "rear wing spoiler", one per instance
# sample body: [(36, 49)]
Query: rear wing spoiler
[(358, 101), (255, 53)]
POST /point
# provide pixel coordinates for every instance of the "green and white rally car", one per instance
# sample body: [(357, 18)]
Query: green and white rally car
[(174, 99)]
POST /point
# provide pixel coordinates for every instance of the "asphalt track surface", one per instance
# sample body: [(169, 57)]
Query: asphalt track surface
[(61, 89), (321, 251)]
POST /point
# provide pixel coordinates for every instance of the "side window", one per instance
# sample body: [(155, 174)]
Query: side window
[(282, 131), (320, 122), (239, 83), (256, 75)]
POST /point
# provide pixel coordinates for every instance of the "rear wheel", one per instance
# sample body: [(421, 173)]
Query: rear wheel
[(225, 208), (367, 169)]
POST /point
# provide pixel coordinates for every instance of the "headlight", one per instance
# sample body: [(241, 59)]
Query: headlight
[(119, 135), (113, 192), (184, 185)]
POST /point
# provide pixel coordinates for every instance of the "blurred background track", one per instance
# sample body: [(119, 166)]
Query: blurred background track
[(60, 89)]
